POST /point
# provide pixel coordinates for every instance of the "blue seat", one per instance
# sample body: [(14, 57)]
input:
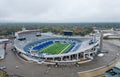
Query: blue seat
[(43, 45), (91, 41)]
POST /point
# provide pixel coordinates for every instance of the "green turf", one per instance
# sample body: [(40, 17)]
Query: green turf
[(56, 48)]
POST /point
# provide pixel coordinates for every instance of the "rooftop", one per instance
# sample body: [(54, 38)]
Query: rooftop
[(113, 72)]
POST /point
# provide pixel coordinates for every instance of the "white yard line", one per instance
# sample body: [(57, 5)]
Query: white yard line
[(46, 47), (64, 49)]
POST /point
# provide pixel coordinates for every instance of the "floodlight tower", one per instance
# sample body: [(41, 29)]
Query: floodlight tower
[(101, 41)]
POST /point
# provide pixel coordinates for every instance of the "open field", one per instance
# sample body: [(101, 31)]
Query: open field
[(56, 48)]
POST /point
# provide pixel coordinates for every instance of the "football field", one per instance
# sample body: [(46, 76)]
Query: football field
[(56, 48)]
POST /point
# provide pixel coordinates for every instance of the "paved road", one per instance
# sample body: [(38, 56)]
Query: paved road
[(35, 70)]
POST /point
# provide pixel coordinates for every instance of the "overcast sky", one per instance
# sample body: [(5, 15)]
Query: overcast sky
[(59, 10)]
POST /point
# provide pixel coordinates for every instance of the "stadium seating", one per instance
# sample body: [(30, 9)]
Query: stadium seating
[(43, 45), (26, 48), (91, 41), (75, 47), (39, 44)]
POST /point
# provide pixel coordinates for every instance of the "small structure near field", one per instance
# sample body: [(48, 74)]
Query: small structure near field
[(68, 33)]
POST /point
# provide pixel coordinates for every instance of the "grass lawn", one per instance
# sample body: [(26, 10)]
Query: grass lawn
[(56, 48), (3, 74)]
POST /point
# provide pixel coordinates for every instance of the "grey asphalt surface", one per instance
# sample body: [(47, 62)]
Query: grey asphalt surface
[(36, 70)]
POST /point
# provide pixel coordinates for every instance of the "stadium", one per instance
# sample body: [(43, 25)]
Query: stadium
[(58, 55), (49, 48)]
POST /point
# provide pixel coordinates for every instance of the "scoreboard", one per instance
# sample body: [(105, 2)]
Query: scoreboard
[(68, 33)]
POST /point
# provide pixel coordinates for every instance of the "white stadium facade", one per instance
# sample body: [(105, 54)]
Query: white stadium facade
[(84, 49)]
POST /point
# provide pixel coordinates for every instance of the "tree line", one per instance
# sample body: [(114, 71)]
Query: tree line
[(57, 28)]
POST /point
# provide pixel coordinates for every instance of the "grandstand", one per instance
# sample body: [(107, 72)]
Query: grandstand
[(43, 45), (55, 48)]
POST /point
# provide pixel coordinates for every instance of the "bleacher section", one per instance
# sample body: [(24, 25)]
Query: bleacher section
[(27, 48), (42, 45), (75, 48), (91, 41)]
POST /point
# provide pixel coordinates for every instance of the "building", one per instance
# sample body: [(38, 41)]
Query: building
[(80, 52), (113, 72)]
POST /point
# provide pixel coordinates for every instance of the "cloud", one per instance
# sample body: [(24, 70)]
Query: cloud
[(59, 10)]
